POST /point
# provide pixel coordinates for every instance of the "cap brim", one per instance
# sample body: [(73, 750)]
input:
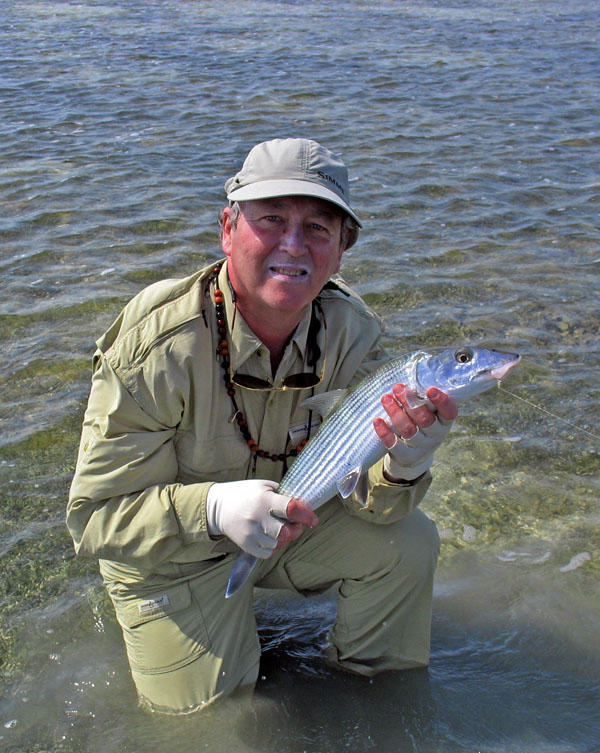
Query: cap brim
[(269, 189)]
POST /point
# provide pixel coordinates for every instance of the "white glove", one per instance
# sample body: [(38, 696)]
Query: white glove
[(410, 458), (250, 513)]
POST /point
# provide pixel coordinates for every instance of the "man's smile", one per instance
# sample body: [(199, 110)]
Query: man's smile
[(288, 271)]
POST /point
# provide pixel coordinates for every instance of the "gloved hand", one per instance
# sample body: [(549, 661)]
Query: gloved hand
[(410, 458), (414, 433), (245, 511)]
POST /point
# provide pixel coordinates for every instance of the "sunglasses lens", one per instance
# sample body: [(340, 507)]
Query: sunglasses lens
[(293, 382), (251, 383), (301, 381)]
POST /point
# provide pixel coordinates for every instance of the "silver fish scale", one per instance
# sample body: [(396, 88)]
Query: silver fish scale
[(346, 439)]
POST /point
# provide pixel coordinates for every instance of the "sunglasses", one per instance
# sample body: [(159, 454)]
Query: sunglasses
[(302, 381)]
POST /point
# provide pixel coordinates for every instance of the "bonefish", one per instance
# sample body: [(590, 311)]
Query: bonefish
[(337, 458)]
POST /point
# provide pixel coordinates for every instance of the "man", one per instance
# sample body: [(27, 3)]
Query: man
[(194, 416)]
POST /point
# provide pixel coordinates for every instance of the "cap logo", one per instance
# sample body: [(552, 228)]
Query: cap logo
[(324, 176)]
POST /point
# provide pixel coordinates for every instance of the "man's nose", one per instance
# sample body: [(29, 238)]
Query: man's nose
[(293, 240)]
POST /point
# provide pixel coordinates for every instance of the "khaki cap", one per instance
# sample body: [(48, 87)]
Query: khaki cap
[(291, 167)]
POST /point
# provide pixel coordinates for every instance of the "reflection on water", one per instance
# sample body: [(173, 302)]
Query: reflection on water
[(471, 132)]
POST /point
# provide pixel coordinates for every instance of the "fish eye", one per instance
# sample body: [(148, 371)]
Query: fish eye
[(464, 355)]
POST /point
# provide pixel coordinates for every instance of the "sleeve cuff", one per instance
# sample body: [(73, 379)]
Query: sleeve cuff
[(405, 474), (189, 502), (388, 501)]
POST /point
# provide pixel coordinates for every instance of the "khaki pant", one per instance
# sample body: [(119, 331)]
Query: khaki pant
[(188, 645)]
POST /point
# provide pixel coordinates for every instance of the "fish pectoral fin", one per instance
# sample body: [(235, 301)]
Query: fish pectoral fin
[(362, 489), (414, 399), (347, 484), (324, 403)]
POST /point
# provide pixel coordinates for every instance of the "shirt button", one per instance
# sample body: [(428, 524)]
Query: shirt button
[(262, 352)]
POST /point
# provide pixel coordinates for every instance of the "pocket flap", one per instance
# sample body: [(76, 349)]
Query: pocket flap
[(136, 609)]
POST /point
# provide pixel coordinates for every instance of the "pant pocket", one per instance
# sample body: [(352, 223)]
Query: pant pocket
[(163, 630)]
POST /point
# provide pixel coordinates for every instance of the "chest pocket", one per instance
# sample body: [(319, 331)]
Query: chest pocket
[(219, 458)]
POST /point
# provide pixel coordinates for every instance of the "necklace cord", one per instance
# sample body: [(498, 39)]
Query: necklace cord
[(224, 354)]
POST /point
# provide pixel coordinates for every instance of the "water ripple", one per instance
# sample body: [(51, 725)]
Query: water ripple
[(471, 133)]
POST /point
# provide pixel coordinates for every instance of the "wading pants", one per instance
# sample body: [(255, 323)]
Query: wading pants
[(187, 645)]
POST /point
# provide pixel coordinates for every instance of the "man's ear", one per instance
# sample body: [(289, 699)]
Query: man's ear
[(226, 230)]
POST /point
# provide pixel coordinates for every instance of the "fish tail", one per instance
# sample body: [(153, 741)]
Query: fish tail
[(242, 567)]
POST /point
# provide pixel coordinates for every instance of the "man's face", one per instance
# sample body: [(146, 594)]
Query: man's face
[(282, 251)]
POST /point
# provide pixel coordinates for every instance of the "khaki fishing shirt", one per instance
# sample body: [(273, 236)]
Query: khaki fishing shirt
[(159, 428)]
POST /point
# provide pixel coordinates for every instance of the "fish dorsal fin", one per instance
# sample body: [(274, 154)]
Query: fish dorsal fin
[(323, 404), (347, 484)]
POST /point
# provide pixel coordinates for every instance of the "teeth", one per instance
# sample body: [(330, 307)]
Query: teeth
[(289, 272)]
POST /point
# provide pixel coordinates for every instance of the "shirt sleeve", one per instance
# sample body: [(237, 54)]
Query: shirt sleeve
[(124, 503), (388, 502)]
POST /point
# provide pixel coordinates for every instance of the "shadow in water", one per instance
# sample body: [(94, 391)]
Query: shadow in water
[(300, 708)]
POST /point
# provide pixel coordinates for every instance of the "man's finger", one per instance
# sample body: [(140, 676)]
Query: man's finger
[(422, 415), (384, 433), (298, 512), (445, 406), (402, 423), (289, 532)]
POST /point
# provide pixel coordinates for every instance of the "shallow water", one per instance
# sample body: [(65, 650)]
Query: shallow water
[(471, 133)]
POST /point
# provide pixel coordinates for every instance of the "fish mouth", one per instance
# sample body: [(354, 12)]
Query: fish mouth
[(501, 371)]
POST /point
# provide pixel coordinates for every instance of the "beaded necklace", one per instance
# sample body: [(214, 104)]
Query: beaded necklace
[(223, 352)]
